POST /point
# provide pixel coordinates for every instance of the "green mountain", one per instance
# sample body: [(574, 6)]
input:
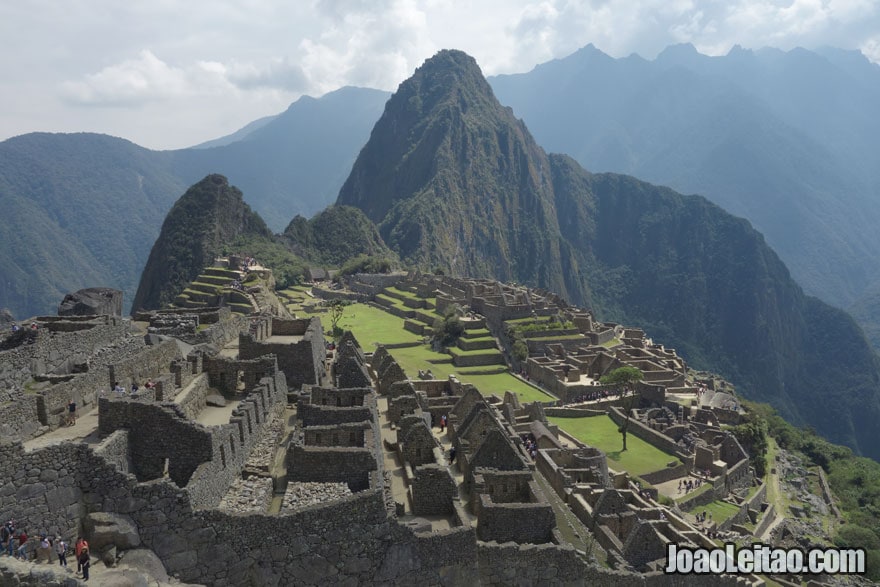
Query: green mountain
[(789, 140), (334, 236), (79, 210), (210, 215), (452, 178), (455, 181), (82, 210)]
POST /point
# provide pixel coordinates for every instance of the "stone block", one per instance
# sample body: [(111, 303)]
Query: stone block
[(104, 529)]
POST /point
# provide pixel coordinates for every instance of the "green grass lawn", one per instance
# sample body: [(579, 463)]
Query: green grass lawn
[(720, 510), (601, 432), (371, 326)]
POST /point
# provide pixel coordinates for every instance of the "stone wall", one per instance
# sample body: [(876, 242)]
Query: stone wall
[(433, 490), (302, 362), (194, 402), (58, 351), (515, 522), (351, 465)]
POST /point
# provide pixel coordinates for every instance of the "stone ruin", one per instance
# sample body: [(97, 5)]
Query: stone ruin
[(334, 454)]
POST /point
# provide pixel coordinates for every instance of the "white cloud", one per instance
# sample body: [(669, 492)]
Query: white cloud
[(135, 81), (243, 59)]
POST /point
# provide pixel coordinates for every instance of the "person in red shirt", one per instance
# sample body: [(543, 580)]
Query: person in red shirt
[(22, 545), (81, 544)]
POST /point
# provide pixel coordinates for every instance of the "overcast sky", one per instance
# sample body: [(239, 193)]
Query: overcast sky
[(168, 74)]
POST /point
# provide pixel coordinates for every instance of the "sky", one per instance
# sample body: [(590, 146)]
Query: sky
[(169, 74)]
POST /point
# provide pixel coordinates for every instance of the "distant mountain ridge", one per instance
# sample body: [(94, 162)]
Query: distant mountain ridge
[(790, 140), (83, 209), (453, 179)]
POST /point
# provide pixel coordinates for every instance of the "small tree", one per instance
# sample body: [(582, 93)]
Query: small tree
[(449, 328), (337, 307), (623, 377)]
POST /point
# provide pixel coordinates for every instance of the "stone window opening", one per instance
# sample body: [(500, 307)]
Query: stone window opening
[(223, 456)]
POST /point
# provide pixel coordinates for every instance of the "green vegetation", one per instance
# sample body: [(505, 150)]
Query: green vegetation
[(854, 480), (449, 328), (371, 326), (601, 432), (287, 268), (366, 264)]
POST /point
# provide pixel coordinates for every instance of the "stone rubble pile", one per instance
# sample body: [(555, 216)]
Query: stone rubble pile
[(302, 494), (264, 449), (248, 495)]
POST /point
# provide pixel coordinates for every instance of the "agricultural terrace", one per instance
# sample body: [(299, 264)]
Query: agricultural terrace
[(372, 326), (601, 432)]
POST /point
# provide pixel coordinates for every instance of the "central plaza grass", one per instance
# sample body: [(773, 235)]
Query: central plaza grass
[(411, 359), (601, 432), (372, 326)]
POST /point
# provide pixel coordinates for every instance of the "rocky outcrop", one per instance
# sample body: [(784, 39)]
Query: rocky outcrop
[(92, 301)]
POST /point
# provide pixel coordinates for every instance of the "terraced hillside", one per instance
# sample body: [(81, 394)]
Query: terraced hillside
[(402, 320), (213, 287)]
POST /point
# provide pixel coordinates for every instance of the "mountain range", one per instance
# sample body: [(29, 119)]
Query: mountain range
[(789, 140), (452, 180)]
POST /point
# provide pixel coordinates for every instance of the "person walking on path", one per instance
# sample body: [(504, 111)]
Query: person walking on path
[(71, 413), (85, 562), (78, 548), (61, 551)]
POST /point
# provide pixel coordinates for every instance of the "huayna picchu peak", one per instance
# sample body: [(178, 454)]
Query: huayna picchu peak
[(455, 181)]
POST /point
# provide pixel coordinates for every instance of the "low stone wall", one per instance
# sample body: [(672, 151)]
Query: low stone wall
[(20, 417), (766, 520), (666, 474), (350, 465), (194, 402)]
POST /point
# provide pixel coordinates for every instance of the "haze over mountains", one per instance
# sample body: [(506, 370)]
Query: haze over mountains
[(454, 181), (786, 139), (84, 209)]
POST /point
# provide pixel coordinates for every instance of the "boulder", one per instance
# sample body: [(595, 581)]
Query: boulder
[(216, 400), (93, 301), (105, 529)]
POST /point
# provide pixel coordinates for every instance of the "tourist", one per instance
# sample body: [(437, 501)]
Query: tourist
[(78, 549), (71, 413), (442, 423), (22, 545), (61, 551), (15, 327), (84, 562), (10, 541), (45, 548)]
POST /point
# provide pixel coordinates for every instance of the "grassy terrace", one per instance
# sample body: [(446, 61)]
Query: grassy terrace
[(720, 510), (371, 326), (601, 432)]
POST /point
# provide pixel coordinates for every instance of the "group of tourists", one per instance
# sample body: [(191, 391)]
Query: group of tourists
[(599, 394), (689, 485), (16, 543), (530, 444)]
